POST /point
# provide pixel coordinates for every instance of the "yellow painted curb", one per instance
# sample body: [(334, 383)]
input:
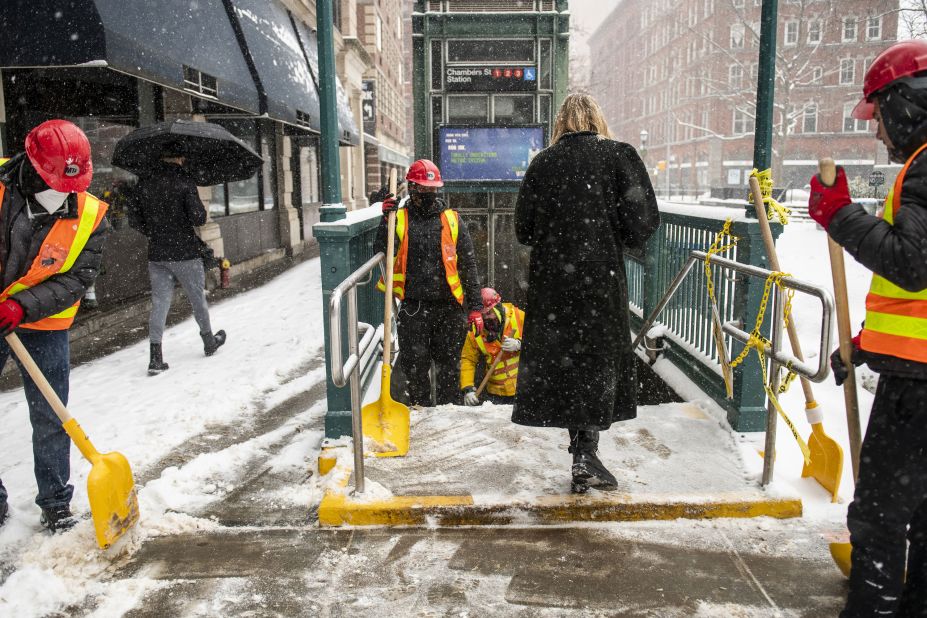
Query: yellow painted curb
[(338, 509)]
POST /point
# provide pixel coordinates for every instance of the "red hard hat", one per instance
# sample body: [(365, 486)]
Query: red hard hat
[(901, 60), (490, 298), (60, 153), (424, 172)]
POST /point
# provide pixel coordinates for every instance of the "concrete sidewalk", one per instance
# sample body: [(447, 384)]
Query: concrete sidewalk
[(472, 466)]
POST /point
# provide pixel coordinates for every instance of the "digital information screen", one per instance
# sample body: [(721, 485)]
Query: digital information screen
[(488, 153)]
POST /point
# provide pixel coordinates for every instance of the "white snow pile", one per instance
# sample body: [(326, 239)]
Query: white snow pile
[(273, 331)]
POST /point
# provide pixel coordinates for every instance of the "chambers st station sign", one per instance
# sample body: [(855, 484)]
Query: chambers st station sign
[(496, 79)]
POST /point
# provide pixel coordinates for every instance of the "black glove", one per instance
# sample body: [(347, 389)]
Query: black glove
[(379, 196), (836, 363)]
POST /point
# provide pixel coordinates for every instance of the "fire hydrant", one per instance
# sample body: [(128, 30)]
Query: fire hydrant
[(225, 268)]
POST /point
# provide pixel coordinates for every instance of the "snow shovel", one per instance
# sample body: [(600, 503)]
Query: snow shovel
[(825, 463), (387, 421), (110, 487), (828, 172), (485, 380)]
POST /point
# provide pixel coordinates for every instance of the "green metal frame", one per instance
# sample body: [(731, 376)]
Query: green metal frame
[(649, 276)]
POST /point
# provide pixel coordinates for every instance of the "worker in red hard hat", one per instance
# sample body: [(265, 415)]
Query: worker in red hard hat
[(889, 508), (501, 338), (436, 279), (51, 243)]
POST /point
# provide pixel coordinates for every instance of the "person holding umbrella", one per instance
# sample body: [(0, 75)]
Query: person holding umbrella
[(172, 159), (167, 209), (51, 244)]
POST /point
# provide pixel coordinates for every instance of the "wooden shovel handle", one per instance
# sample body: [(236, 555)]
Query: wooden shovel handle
[(38, 377), (388, 295), (773, 256), (495, 363)]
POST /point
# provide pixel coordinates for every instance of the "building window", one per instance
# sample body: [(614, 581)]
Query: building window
[(874, 28), (817, 75), (738, 4), (200, 83), (849, 29), (378, 33), (847, 71), (467, 108), (743, 122), (814, 31), (810, 119), (851, 124), (737, 36), (791, 33), (735, 76)]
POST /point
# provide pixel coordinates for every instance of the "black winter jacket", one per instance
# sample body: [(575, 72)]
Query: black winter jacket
[(425, 275), (166, 208), (20, 242), (896, 252)]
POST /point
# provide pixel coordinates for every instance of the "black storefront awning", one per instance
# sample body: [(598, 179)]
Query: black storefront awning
[(183, 44), (348, 133), (291, 94)]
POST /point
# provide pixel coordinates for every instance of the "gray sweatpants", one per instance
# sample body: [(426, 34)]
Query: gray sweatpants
[(192, 278)]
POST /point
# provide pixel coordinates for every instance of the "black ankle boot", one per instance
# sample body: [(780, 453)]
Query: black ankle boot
[(212, 342), (156, 365), (588, 471)]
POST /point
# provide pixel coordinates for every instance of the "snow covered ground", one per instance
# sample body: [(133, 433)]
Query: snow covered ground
[(243, 429)]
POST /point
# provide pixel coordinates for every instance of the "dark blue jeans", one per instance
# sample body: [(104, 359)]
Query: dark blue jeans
[(51, 446)]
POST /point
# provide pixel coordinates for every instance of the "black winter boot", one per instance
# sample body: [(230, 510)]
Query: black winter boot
[(212, 342), (156, 365), (58, 519), (587, 470), (4, 511)]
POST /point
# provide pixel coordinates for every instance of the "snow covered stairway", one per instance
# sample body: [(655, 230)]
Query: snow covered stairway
[(472, 466)]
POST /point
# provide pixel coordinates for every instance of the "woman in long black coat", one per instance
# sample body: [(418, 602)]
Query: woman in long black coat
[(584, 201)]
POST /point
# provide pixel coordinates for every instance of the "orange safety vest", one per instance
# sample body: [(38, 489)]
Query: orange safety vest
[(450, 226), (505, 376), (65, 241), (896, 319)]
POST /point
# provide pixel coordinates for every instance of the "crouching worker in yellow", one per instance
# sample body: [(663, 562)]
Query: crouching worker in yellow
[(502, 325)]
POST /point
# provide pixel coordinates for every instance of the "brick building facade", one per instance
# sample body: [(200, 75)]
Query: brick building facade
[(685, 72)]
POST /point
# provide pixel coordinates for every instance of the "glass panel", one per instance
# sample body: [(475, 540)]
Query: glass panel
[(513, 109), (544, 116), (496, 50), (504, 201), (217, 202), (510, 276), (465, 109), (545, 68), (243, 195), (309, 175), (112, 184), (267, 175), (468, 201), (437, 68), (478, 226)]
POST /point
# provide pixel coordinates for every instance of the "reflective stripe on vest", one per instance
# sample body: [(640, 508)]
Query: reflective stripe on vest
[(450, 229), (896, 319), (507, 369), (60, 249)]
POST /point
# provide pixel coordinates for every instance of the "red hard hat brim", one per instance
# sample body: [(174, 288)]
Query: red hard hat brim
[(864, 110), (76, 184), (428, 183)]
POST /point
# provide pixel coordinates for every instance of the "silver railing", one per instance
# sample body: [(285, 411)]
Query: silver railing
[(778, 358), (348, 371)]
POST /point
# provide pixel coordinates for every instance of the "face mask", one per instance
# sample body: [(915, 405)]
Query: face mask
[(51, 200)]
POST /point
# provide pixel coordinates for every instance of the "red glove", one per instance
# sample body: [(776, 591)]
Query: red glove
[(389, 205), (11, 314), (475, 321), (824, 201)]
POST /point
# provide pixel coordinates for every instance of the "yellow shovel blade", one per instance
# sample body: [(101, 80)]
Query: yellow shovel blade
[(826, 463), (110, 489), (387, 422), (113, 502), (840, 552)]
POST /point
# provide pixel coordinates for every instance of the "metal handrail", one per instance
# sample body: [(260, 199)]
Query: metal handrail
[(344, 372), (772, 350), (818, 374)]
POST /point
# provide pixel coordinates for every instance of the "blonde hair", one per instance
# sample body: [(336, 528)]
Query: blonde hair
[(579, 112)]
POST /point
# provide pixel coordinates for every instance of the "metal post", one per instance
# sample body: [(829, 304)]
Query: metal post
[(769, 454), (765, 91), (332, 209), (357, 430)]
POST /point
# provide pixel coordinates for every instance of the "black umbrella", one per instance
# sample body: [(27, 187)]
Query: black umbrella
[(212, 154)]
